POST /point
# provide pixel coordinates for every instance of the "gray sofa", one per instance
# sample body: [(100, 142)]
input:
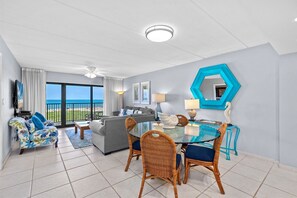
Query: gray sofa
[(109, 133)]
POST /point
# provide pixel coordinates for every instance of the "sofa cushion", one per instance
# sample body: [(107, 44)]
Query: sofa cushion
[(37, 122), (108, 118), (49, 123), (97, 127), (146, 110), (47, 132), (200, 153), (136, 145), (40, 116)]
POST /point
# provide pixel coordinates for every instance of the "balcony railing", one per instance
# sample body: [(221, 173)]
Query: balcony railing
[(74, 112)]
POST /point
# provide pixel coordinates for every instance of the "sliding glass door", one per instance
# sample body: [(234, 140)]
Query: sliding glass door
[(54, 103), (97, 103), (77, 103)]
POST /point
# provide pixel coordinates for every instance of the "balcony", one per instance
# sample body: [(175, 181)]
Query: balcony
[(74, 112)]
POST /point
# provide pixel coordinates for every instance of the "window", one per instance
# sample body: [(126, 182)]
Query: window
[(68, 103)]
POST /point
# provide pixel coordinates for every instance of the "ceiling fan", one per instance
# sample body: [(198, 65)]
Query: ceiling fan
[(91, 72)]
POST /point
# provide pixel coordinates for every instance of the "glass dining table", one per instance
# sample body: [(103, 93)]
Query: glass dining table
[(191, 133)]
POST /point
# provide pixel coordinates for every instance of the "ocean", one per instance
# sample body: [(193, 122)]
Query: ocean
[(74, 101), (77, 104)]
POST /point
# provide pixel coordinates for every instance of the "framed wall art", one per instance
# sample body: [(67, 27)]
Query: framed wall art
[(136, 93), (145, 92)]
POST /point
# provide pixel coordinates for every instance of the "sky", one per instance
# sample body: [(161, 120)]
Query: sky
[(73, 92)]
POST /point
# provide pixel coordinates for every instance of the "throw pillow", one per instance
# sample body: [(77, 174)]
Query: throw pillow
[(40, 116), (30, 126), (135, 112), (37, 122), (122, 112), (129, 111), (139, 112)]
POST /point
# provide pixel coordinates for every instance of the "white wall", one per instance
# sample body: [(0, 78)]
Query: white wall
[(72, 78), (11, 71), (288, 109), (254, 107)]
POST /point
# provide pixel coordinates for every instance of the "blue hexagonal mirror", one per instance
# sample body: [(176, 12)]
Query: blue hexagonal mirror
[(214, 86)]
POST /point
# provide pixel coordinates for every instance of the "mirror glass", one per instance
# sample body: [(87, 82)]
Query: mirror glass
[(213, 87)]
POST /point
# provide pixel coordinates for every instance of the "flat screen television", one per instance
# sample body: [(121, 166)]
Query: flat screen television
[(18, 95)]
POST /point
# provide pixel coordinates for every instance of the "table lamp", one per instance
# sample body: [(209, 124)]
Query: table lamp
[(158, 98), (191, 105)]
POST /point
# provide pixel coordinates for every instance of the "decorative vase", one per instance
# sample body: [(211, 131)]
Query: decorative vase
[(227, 112)]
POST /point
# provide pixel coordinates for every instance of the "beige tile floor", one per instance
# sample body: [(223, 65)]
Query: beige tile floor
[(68, 172)]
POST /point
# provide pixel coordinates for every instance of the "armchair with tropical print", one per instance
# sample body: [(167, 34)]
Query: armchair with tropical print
[(29, 137)]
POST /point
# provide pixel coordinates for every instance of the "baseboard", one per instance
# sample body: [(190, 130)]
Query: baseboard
[(284, 166), (14, 145), (257, 156), (287, 167), (5, 159)]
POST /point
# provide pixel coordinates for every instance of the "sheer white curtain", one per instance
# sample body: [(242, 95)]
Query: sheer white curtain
[(111, 97), (34, 81)]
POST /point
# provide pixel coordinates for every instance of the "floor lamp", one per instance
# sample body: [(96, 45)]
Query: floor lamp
[(158, 98), (121, 98)]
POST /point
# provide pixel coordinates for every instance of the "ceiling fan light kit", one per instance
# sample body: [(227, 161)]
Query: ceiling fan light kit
[(91, 72)]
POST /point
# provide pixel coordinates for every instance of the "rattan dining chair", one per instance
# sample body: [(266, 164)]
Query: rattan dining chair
[(134, 142), (159, 159), (207, 157), (182, 120)]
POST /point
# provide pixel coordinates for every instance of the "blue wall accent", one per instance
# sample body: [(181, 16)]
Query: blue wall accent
[(230, 80)]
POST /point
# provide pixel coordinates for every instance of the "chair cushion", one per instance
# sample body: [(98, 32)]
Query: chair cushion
[(178, 160), (136, 145), (40, 116), (48, 132), (200, 153), (49, 123), (37, 122)]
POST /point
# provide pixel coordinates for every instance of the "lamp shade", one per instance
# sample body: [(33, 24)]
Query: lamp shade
[(158, 97), (192, 104)]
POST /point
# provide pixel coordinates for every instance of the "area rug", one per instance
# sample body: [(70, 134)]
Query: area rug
[(75, 138)]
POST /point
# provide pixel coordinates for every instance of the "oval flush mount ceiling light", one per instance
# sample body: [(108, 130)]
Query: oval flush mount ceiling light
[(159, 33)]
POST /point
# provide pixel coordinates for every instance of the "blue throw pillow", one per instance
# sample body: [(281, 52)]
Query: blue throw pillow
[(40, 116), (37, 122)]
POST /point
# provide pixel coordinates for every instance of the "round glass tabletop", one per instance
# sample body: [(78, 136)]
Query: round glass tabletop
[(192, 133)]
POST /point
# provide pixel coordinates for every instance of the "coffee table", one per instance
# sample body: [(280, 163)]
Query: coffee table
[(82, 127)]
